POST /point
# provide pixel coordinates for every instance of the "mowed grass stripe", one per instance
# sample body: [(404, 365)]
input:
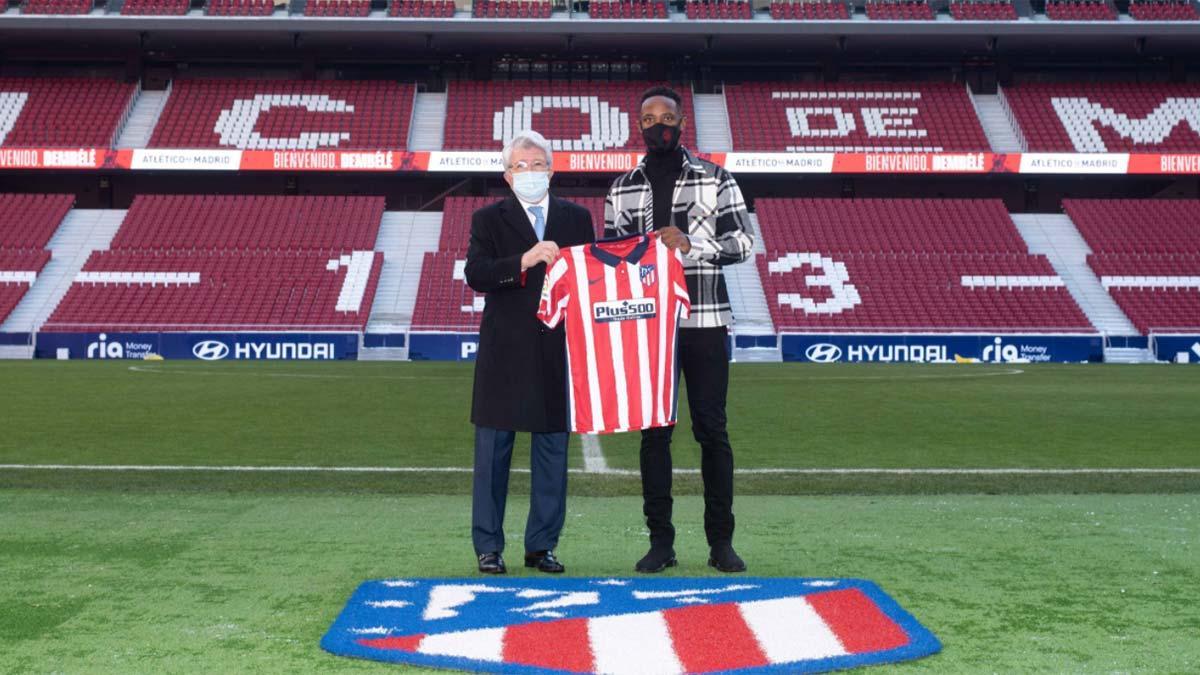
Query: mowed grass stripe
[(781, 416)]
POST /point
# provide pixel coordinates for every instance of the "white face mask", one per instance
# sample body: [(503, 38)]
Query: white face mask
[(531, 185)]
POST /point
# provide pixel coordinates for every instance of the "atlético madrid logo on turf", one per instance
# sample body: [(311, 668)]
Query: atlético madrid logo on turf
[(628, 626)]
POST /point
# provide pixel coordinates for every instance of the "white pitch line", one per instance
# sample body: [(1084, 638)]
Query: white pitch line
[(606, 471), (593, 454)]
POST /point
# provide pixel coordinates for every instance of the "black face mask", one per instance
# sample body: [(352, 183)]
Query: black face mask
[(661, 138)]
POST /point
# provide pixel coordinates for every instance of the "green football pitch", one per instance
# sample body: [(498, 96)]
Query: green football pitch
[(1036, 518)]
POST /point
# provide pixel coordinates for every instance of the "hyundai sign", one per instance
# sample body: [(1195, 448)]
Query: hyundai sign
[(934, 348), (201, 346)]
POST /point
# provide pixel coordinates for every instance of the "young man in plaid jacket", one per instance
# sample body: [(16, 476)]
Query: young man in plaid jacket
[(697, 208)]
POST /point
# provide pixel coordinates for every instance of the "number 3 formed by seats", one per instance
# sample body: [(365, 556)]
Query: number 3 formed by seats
[(833, 275)]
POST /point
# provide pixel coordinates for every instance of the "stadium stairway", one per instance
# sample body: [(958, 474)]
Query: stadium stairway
[(143, 118), (1056, 237), (404, 239), (81, 232), (752, 315), (996, 123), (428, 128), (712, 123)]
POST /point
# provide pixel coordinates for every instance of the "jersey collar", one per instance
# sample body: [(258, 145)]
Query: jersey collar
[(612, 260)]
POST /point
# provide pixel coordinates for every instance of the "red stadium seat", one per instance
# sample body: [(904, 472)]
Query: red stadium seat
[(68, 112), (1080, 10), (1147, 254), (1163, 10), (565, 113), (793, 117), (56, 6), (27, 222), (983, 10), (1106, 117), (895, 265), (282, 114), (899, 10), (231, 262), (810, 10)]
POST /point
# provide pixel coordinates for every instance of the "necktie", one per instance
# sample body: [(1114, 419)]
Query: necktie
[(539, 222)]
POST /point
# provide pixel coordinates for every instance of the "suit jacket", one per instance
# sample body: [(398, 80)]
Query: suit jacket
[(520, 368)]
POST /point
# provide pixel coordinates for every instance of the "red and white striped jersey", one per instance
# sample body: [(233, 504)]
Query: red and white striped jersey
[(622, 300)]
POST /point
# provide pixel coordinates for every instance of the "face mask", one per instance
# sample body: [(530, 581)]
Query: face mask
[(661, 138), (531, 185)]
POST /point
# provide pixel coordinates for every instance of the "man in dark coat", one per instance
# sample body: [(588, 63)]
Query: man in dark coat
[(520, 368)]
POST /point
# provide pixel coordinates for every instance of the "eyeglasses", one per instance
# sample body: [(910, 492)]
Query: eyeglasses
[(535, 165)]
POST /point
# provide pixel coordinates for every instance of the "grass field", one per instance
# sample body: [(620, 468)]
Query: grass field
[(221, 571)]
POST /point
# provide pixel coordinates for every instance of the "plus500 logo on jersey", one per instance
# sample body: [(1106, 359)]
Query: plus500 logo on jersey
[(624, 310)]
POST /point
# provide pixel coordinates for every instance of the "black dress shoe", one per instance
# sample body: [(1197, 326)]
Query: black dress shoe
[(492, 563), (544, 561), (725, 559), (656, 560)]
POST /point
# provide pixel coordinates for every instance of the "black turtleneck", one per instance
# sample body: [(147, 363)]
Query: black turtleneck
[(662, 170)]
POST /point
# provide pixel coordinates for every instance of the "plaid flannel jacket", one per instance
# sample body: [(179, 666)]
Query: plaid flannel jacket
[(708, 206)]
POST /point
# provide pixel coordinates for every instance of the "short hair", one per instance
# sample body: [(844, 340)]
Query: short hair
[(665, 92), (527, 138)]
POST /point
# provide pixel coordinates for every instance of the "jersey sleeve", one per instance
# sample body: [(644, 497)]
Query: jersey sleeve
[(556, 292), (679, 285)]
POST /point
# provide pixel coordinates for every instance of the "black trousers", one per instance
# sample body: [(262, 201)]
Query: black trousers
[(703, 358), (547, 495)]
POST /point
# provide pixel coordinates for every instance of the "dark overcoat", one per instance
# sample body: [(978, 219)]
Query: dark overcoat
[(520, 368)]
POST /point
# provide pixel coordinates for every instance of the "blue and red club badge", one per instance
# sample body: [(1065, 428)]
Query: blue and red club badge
[(643, 626)]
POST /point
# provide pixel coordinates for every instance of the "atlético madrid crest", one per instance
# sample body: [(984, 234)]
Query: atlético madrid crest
[(643, 626)]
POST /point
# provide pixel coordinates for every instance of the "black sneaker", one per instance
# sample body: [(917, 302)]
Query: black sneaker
[(492, 563), (725, 559), (656, 560)]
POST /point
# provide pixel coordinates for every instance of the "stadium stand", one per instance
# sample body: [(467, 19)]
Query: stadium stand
[(285, 115), (511, 9), (483, 115), (899, 10), (231, 262), (155, 7), (1147, 255), (68, 112), (722, 11), (1080, 10), (27, 222), (627, 9), (1106, 117), (896, 265), (983, 10), (810, 10), (810, 117), (1163, 10), (56, 7), (346, 8), (243, 7), (422, 8), (444, 301)]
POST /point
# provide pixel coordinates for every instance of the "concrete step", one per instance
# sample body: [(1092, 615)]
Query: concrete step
[(142, 119), (383, 354), (1128, 355), (712, 123), (1056, 237), (81, 232), (997, 125), (428, 127)]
